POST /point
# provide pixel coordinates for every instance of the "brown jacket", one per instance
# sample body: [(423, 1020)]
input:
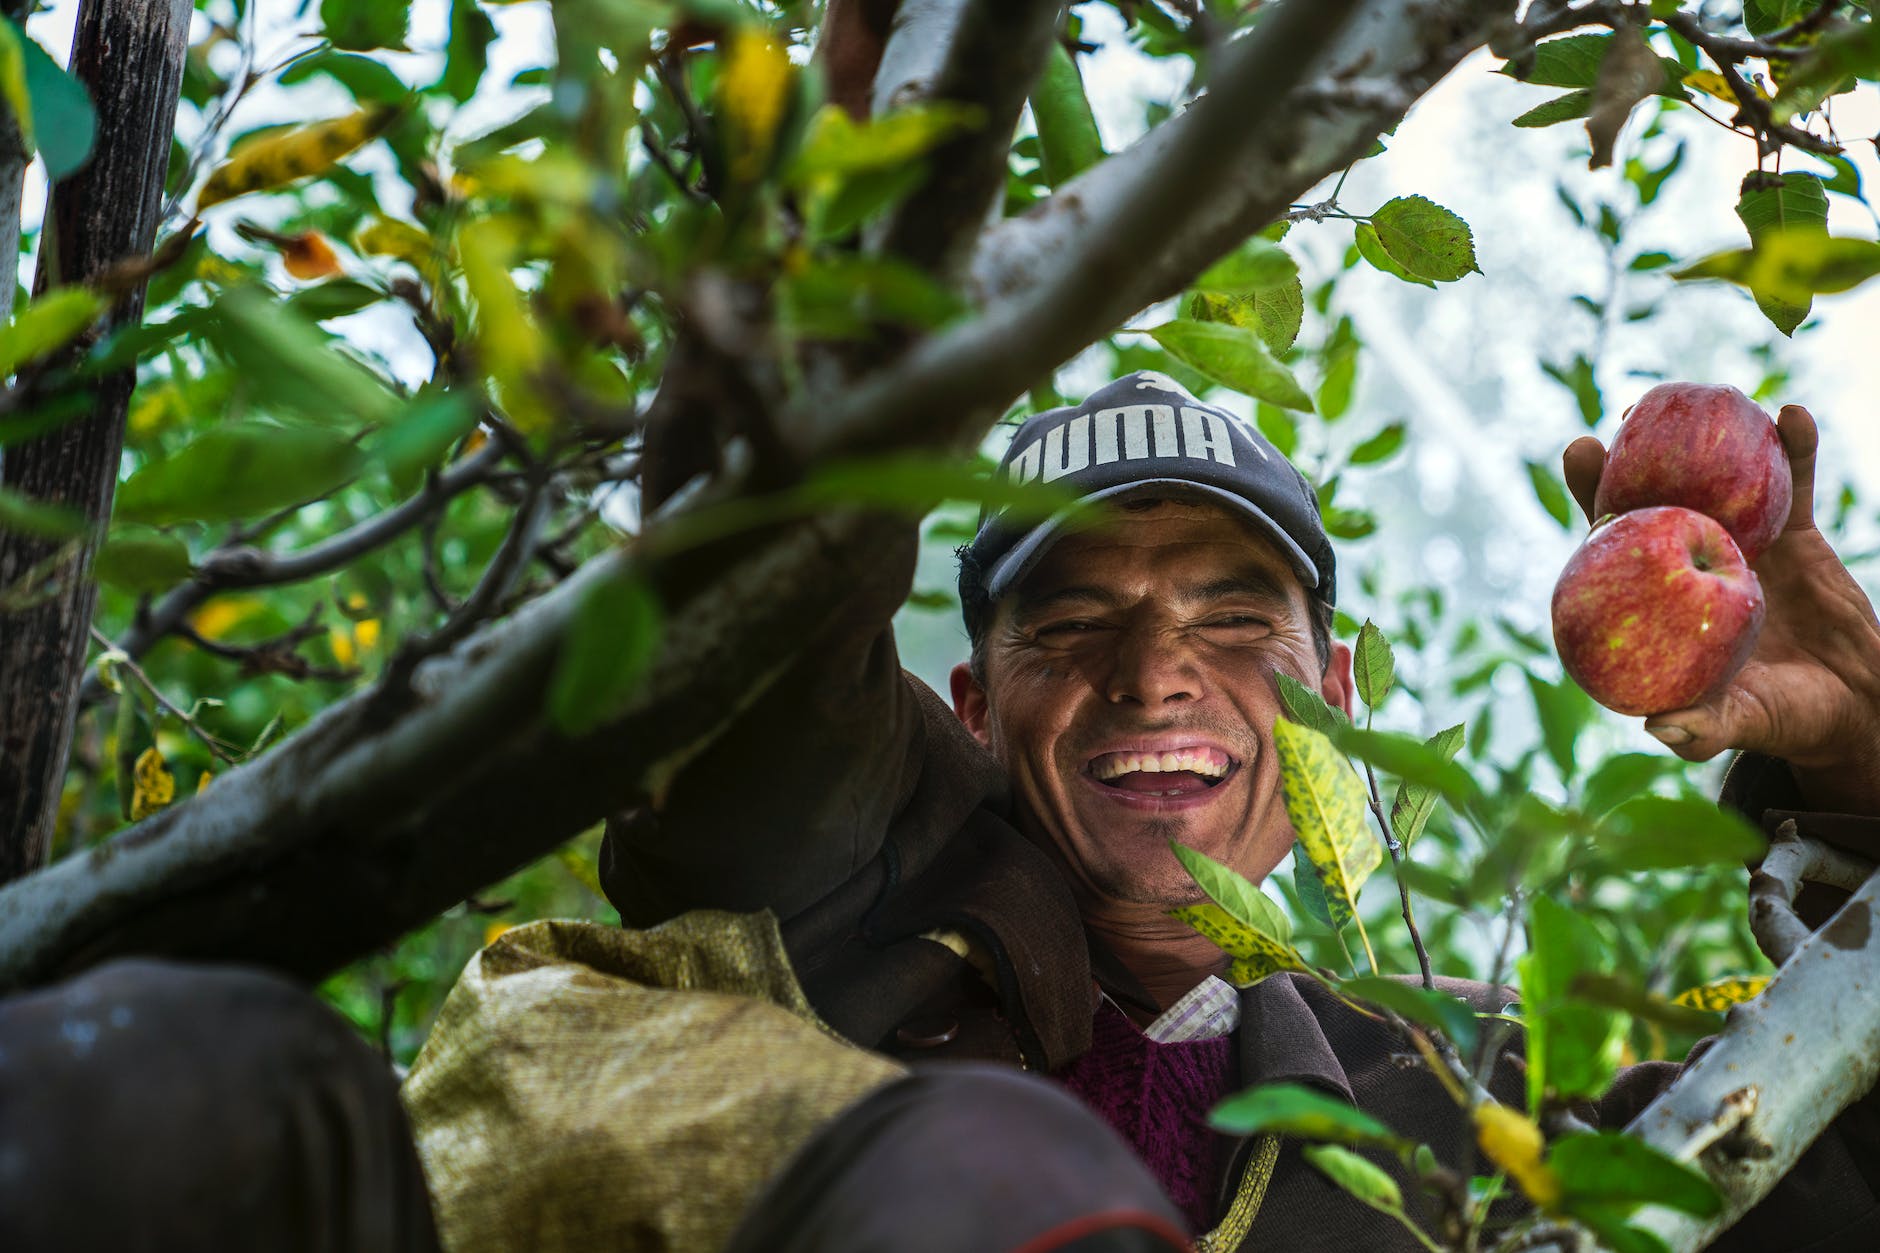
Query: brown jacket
[(851, 802)]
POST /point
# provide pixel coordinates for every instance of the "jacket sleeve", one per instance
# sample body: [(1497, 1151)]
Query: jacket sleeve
[(797, 790)]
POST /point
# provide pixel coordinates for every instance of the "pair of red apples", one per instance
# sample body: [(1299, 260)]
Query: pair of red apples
[(1659, 608)]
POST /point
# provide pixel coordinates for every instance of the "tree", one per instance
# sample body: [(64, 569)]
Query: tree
[(683, 272)]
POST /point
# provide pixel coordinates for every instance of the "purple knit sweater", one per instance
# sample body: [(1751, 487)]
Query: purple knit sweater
[(1158, 1097)]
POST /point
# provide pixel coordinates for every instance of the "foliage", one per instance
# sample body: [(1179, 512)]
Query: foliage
[(393, 386)]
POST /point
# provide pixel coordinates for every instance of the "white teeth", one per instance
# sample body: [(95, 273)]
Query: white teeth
[(1199, 761)]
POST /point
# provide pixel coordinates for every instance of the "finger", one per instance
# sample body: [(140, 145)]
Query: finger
[(1724, 722), (1796, 426), (1582, 463)]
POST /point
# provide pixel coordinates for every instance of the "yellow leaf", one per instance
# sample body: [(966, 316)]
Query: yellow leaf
[(308, 255), (510, 345), (388, 237), (13, 81), (341, 642), (492, 932), (1720, 994), (753, 88), (213, 620), (153, 785), (1714, 84), (1256, 954), (1513, 1142), (366, 634), (292, 155), (202, 781), (581, 867), (1326, 802)]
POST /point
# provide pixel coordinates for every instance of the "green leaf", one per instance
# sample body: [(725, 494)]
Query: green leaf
[(1362, 1179), (139, 560), (1326, 802), (1373, 665), (1422, 1005), (467, 54), (610, 644), (64, 122), (1610, 1166), (1293, 1109), (1425, 238), (1846, 51), (1256, 265), (22, 515), (1567, 108), (1670, 832), (1609, 1224), (1551, 492), (1410, 810), (238, 471), (289, 362), (419, 439), (1379, 447), (46, 325), (1233, 892), (333, 299), (1621, 777), (1068, 142), (1573, 1048), (1255, 953), (1335, 389), (1792, 265), (361, 25), (916, 482), (1234, 357), (1846, 176), (1570, 61), (1564, 711), (1620, 992), (1305, 705), (1275, 313), (1774, 204), (368, 81), (1406, 757), (837, 145), (1312, 898), (1365, 236), (1580, 379)]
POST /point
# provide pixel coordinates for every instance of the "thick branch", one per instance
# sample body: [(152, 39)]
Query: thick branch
[(985, 55), (1135, 228), (1791, 859), (129, 55), (346, 834), (1785, 1065)]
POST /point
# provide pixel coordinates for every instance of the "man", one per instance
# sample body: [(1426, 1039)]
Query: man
[(990, 883), (1121, 693)]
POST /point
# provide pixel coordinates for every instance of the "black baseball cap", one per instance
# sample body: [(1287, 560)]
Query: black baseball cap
[(1144, 435)]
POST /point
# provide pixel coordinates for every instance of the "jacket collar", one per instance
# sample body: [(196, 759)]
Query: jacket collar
[(1281, 1040)]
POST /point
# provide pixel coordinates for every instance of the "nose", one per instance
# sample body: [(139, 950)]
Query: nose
[(1152, 667)]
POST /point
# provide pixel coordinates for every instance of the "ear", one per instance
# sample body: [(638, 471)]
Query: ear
[(1337, 685), (969, 701)]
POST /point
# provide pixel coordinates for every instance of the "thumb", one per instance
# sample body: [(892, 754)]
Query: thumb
[(1729, 720), (1796, 426)]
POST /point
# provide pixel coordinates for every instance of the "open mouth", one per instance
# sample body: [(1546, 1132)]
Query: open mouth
[(1189, 770)]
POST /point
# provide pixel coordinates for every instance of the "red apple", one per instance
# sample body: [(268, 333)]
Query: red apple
[(1656, 610), (1705, 447)]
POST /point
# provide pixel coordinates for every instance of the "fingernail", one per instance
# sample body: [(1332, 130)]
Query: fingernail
[(1671, 735)]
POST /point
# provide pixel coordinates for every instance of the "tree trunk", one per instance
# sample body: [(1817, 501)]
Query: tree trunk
[(129, 55)]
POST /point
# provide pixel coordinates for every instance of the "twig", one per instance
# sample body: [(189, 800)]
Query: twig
[(1396, 848), (222, 750), (661, 158), (1792, 858)]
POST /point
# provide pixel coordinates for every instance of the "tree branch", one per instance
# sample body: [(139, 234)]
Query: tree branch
[(1134, 228), (985, 55), (1797, 1056), (1792, 858), (234, 567)]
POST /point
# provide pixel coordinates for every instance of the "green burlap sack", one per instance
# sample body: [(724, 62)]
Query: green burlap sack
[(588, 1088)]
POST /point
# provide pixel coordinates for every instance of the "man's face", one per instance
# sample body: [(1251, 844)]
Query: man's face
[(1130, 694)]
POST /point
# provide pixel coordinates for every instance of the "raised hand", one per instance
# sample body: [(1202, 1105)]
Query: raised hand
[(1810, 693)]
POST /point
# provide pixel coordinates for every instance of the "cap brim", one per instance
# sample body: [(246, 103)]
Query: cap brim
[(1023, 557)]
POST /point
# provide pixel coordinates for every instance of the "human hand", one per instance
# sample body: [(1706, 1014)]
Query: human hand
[(1810, 692)]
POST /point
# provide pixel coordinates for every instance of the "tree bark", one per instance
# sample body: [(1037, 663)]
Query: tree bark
[(13, 162), (129, 55)]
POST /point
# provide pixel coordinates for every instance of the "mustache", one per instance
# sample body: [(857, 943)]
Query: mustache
[(1233, 734)]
